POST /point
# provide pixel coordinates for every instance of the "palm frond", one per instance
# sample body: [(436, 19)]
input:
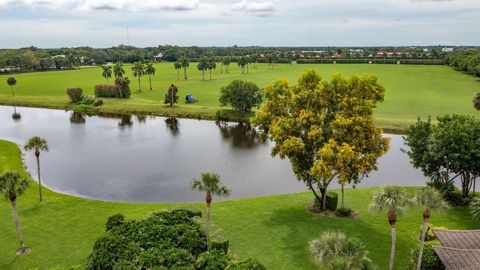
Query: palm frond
[(475, 208), (390, 198), (431, 199)]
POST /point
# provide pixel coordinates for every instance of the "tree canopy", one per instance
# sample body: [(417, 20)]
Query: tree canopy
[(241, 95), (325, 128)]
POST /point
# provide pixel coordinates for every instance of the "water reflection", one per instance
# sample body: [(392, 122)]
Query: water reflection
[(77, 118), (173, 125), (15, 115), (141, 118), (241, 135), (125, 121)]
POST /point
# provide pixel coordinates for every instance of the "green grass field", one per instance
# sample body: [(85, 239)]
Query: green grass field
[(276, 229), (412, 90)]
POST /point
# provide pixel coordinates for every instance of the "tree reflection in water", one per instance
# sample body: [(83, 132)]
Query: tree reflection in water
[(241, 135), (77, 118), (125, 121), (173, 125), (141, 118), (16, 116)]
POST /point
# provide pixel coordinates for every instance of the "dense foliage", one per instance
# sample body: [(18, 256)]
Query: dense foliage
[(467, 61), (325, 128), (121, 89), (430, 260), (447, 150), (164, 240), (75, 94), (241, 95), (171, 96)]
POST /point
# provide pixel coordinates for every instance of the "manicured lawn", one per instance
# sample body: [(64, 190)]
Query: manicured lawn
[(276, 229), (411, 90)]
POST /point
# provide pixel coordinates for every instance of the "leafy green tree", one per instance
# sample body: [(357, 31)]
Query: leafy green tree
[(118, 70), (11, 81), (150, 70), (13, 185), (38, 144), (324, 128), (123, 86), (241, 95), (226, 63), (177, 65), (431, 200), (446, 150), (107, 72), (171, 96), (476, 101), (74, 60), (185, 63), (395, 201), (242, 62), (138, 71), (202, 66), (211, 184), (211, 66), (334, 247)]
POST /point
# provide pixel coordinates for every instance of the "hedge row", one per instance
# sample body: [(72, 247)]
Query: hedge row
[(372, 61)]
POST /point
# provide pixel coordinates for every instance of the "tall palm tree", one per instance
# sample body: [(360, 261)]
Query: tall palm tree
[(226, 62), (138, 71), (13, 185), (211, 184), (12, 82), (177, 65), (185, 63), (202, 66), (38, 144), (394, 200), (334, 246), (430, 199), (150, 70), (107, 72), (211, 65), (118, 70)]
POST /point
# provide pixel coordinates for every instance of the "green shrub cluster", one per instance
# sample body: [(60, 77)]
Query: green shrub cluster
[(218, 240), (164, 240), (371, 61), (121, 89), (75, 94), (430, 260), (331, 201), (343, 212), (430, 235)]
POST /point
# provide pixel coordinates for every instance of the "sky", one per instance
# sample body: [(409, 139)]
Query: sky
[(104, 23)]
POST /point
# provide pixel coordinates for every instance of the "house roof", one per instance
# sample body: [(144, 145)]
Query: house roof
[(458, 259), (459, 239)]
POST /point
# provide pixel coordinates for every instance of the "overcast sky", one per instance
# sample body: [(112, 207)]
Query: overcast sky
[(103, 23)]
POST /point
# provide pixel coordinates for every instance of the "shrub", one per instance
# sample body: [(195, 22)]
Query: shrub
[(75, 94), (211, 260), (430, 235), (123, 86), (430, 260), (343, 212), (217, 237), (332, 201), (106, 90), (247, 264), (114, 221), (241, 95), (89, 100)]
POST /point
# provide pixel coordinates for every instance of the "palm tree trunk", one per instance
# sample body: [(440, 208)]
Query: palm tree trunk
[(185, 72), (343, 195), (422, 242), (13, 92), (39, 178), (150, 80), (203, 75), (210, 74), (139, 85), (17, 224), (178, 74), (392, 248), (208, 200)]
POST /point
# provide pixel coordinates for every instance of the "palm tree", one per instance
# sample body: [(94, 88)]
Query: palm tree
[(394, 200), (177, 65), (118, 70), (226, 62), (38, 144), (138, 71), (210, 184), (150, 70), (185, 63), (211, 65), (333, 249), (242, 61), (475, 208), (430, 199), (12, 82), (107, 72), (202, 66), (13, 185)]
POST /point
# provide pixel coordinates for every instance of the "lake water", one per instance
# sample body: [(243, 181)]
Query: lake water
[(154, 159)]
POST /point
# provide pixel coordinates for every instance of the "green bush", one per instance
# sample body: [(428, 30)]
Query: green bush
[(430, 260), (430, 236), (343, 212), (217, 237), (123, 87), (247, 264), (211, 260), (89, 100), (75, 94), (332, 200), (114, 221), (106, 90)]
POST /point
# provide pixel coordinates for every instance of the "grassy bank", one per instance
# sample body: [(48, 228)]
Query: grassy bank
[(411, 90), (276, 229)]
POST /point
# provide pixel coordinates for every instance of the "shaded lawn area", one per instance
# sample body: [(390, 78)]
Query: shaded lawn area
[(411, 90), (275, 229)]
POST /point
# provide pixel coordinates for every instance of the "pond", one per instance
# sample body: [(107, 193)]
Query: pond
[(154, 159)]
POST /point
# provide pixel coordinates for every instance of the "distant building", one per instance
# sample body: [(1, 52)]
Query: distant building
[(59, 56), (445, 49), (158, 57)]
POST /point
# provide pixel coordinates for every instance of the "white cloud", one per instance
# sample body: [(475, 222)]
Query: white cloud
[(260, 8)]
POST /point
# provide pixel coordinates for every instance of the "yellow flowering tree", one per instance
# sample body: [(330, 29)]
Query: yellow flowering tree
[(325, 128)]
